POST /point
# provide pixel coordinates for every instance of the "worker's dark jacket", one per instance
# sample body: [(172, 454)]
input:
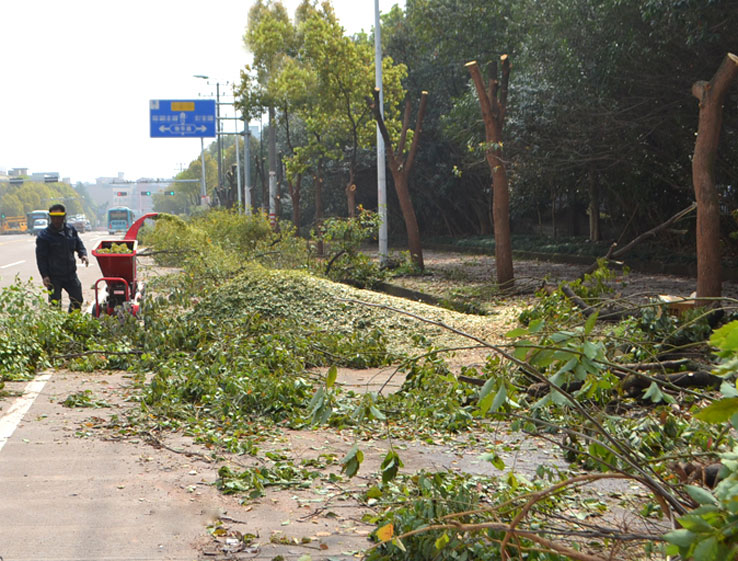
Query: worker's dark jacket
[(55, 252)]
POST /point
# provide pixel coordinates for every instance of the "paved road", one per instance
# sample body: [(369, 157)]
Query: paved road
[(67, 496), (18, 258)]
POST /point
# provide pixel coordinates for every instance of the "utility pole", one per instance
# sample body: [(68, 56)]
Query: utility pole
[(381, 168), (204, 200), (238, 167)]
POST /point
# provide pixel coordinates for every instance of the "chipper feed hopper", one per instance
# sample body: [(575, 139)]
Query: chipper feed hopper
[(119, 288)]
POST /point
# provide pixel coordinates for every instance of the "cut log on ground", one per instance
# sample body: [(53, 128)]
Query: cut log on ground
[(633, 385)]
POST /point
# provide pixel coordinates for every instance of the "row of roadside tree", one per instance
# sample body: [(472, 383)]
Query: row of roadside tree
[(599, 128)]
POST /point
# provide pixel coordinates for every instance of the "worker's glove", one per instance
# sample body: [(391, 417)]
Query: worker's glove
[(47, 282), (85, 260)]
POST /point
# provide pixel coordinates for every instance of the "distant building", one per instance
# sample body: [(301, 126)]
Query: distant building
[(45, 176)]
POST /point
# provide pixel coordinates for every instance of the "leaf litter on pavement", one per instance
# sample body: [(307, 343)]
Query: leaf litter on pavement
[(240, 357)]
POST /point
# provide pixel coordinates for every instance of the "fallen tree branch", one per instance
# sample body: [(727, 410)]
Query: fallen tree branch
[(418, 357), (662, 365), (157, 443), (623, 371), (90, 353), (614, 254), (615, 446), (537, 496), (700, 379), (587, 310), (512, 530), (333, 260)]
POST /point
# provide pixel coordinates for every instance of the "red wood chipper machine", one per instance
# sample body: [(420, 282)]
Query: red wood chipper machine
[(119, 289)]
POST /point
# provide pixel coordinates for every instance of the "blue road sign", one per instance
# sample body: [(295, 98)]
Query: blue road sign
[(172, 118)]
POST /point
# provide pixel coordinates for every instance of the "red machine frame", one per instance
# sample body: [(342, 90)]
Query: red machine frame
[(122, 288)]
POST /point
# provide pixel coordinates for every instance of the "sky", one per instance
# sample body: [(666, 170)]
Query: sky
[(78, 76)]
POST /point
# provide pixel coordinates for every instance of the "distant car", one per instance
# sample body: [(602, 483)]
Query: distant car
[(38, 225), (80, 222)]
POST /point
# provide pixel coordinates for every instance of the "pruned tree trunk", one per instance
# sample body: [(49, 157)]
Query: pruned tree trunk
[(484, 220), (540, 219), (295, 186), (400, 167), (594, 209), (351, 199), (294, 182), (711, 96), (493, 102), (261, 174), (318, 180)]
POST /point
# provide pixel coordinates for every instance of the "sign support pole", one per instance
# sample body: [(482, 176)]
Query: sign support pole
[(247, 165), (203, 187)]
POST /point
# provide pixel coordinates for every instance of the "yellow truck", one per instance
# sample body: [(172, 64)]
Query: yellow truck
[(13, 224)]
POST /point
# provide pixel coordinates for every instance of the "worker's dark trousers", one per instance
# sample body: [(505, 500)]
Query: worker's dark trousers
[(72, 286)]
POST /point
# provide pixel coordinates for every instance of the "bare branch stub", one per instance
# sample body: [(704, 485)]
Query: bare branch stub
[(504, 85), (418, 129), (405, 127), (476, 75)]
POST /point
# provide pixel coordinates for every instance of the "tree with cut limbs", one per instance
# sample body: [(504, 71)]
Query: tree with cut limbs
[(270, 36), (344, 70), (400, 166), (711, 96), (493, 102)]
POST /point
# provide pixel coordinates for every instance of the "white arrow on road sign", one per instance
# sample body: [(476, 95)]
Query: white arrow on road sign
[(182, 129)]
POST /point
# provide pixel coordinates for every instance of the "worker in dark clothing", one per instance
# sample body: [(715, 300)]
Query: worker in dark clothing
[(55, 249)]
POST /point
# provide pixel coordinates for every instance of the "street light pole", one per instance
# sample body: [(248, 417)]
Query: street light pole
[(272, 169), (381, 166)]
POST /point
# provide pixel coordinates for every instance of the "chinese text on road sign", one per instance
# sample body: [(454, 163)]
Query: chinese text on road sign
[(182, 118)]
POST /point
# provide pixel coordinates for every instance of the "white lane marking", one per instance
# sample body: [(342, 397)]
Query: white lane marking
[(12, 264), (10, 421)]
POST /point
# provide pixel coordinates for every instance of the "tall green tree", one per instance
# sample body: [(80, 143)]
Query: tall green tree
[(400, 158), (434, 39), (270, 36), (344, 67), (318, 81), (601, 120), (604, 102)]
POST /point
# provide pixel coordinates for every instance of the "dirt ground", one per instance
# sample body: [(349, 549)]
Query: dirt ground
[(456, 275), (450, 270), (325, 520)]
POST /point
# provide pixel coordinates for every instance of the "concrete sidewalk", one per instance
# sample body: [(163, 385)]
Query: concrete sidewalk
[(65, 496)]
